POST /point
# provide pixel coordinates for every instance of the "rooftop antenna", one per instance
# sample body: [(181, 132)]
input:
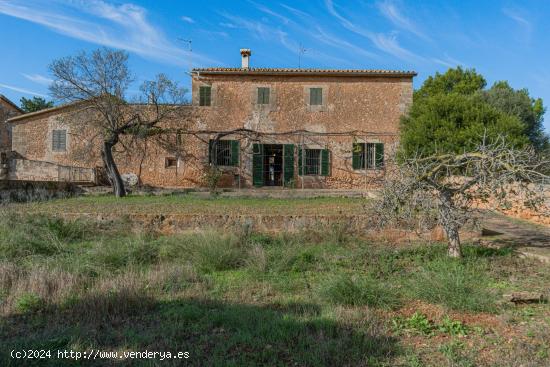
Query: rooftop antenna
[(190, 49), (302, 50)]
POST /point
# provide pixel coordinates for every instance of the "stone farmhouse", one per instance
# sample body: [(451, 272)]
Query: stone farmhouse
[(277, 127)]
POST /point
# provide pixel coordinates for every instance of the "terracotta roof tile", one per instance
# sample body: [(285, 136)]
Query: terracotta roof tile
[(374, 72)]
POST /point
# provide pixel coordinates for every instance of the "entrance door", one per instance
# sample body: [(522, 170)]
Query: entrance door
[(273, 165)]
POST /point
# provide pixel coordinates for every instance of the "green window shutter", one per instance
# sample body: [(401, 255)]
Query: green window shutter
[(258, 165), (210, 146), (315, 96), (379, 154), (263, 95), (357, 151), (325, 162), (288, 163), (369, 156), (235, 152), (205, 94), (300, 168)]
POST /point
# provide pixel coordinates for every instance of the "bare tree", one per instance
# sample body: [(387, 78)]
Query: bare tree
[(446, 189), (100, 81)]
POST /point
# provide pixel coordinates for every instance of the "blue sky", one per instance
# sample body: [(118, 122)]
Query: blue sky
[(501, 39)]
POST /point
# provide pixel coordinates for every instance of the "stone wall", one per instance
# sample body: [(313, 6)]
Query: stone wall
[(7, 110), (355, 109), (29, 170)]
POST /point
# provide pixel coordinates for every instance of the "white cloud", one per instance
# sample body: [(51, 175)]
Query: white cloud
[(119, 26), (332, 40), (296, 11), (22, 90), (187, 19), (384, 42), (268, 11), (521, 20), (37, 78), (448, 61), (394, 15)]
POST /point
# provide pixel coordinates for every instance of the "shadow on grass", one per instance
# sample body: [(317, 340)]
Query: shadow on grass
[(214, 333)]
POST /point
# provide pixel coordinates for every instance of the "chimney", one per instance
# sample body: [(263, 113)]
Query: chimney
[(245, 53)]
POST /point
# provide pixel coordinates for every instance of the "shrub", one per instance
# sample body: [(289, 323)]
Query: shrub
[(257, 259), (138, 250), (452, 327), (417, 323), (455, 284), (29, 302), (38, 235), (344, 289), (213, 252)]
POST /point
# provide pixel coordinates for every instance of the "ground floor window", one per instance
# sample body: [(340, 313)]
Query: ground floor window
[(368, 155), (315, 162), (170, 162), (224, 152)]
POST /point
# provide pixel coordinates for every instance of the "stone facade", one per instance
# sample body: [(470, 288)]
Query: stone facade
[(357, 106), (7, 109)]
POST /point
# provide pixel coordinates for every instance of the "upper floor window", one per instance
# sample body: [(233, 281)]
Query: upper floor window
[(205, 95), (59, 140), (368, 156), (263, 95), (316, 96)]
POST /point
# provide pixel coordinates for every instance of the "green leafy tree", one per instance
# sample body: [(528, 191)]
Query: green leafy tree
[(451, 114), (518, 103), (35, 104), (454, 123), (454, 81)]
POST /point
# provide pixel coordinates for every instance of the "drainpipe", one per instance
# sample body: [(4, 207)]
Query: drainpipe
[(365, 161), (303, 161)]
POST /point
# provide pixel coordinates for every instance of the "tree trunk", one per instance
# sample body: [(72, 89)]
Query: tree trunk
[(449, 225), (110, 166)]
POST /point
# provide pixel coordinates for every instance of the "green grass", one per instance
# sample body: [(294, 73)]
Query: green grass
[(189, 204), (313, 298)]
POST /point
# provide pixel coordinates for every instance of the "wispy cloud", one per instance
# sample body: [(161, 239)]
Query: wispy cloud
[(187, 19), (389, 44), (518, 17), (266, 10), (448, 61), (295, 11), (22, 90), (257, 28), (37, 78), (120, 26), (394, 15), (384, 42), (335, 41)]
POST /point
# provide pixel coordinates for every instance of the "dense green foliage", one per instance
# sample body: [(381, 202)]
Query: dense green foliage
[(35, 104), (452, 112), (518, 103)]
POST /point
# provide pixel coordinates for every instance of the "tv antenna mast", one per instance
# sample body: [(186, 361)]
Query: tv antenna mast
[(301, 50), (190, 49)]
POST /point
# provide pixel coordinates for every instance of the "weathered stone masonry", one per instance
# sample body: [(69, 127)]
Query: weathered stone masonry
[(352, 107)]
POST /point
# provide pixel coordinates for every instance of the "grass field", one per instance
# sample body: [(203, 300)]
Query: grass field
[(320, 297), (187, 203)]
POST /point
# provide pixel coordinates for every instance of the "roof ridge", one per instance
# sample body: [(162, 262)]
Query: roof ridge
[(308, 70), (10, 102)]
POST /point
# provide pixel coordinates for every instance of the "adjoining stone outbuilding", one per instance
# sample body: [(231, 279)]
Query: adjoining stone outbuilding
[(276, 127), (7, 109)]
